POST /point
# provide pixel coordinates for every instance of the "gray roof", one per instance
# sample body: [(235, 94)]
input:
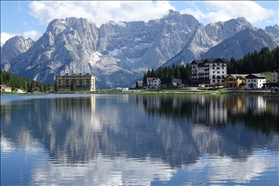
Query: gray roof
[(209, 60), (76, 74), (256, 76)]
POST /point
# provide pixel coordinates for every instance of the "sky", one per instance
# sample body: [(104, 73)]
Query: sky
[(30, 18)]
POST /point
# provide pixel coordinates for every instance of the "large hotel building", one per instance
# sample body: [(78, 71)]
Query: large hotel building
[(209, 71), (83, 82)]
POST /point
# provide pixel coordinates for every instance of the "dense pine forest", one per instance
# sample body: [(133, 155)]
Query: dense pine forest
[(167, 73), (26, 84), (256, 62)]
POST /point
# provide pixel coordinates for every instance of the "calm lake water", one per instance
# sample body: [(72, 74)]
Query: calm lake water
[(84, 139)]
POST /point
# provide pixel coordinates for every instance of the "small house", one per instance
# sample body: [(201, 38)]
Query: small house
[(235, 80), (176, 82), (153, 81), (255, 81), (5, 88), (139, 83)]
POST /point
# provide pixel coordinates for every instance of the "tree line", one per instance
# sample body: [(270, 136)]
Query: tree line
[(167, 73), (26, 84), (255, 62)]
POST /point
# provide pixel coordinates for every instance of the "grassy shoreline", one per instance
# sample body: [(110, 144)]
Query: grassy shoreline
[(163, 91)]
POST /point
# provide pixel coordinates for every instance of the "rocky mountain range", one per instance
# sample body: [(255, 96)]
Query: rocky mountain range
[(12, 48), (119, 53)]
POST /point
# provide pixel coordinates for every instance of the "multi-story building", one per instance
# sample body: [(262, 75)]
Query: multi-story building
[(255, 81), (209, 71), (235, 80), (83, 82), (274, 78)]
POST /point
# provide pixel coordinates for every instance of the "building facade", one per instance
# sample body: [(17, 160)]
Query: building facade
[(139, 83), (5, 88), (235, 80), (176, 82), (274, 77), (153, 81), (255, 81), (83, 82), (209, 71)]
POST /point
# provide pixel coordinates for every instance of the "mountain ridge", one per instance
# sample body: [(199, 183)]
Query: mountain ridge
[(119, 53)]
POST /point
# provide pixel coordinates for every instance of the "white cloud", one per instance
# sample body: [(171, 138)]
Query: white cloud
[(104, 171), (214, 11), (33, 34), (225, 168), (99, 12), (5, 36)]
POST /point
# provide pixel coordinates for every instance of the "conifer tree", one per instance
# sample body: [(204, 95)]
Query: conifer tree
[(56, 86), (73, 86)]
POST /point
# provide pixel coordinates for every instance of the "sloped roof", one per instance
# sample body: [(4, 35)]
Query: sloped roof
[(5, 87), (239, 75), (209, 60), (196, 61), (255, 76), (150, 78)]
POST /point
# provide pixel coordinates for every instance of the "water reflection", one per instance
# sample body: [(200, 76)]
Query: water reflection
[(217, 110), (110, 139)]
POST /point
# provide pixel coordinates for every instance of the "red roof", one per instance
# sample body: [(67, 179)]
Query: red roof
[(150, 78)]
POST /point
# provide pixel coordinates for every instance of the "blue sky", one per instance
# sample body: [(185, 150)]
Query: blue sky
[(30, 18)]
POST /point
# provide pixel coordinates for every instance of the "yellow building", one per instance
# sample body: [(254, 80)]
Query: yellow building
[(83, 82), (235, 80)]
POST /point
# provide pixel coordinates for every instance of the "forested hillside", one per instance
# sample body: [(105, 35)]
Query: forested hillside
[(255, 62), (26, 84)]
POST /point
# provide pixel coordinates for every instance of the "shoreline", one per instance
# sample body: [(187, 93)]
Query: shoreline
[(265, 93)]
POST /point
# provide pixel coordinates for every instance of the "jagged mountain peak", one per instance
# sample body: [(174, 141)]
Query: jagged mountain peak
[(119, 53), (219, 31), (237, 46), (12, 48), (273, 31), (177, 16)]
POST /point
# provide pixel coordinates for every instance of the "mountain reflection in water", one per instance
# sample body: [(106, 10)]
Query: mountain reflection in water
[(141, 139)]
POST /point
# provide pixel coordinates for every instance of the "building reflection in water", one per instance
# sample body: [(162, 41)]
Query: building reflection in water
[(210, 112), (257, 104), (215, 109)]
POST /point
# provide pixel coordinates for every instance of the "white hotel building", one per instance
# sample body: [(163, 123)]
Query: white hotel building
[(209, 71)]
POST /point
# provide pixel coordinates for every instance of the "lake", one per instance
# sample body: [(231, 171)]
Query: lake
[(138, 139)]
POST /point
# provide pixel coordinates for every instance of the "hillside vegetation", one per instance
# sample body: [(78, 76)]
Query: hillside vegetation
[(26, 84), (256, 62)]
